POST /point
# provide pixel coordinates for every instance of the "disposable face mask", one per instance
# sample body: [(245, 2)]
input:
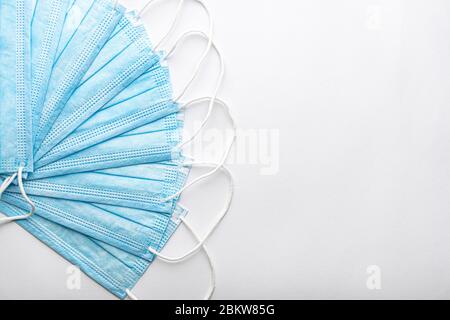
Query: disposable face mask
[(83, 42), (15, 86), (140, 186), (127, 55), (116, 270), (127, 229), (144, 101), (47, 23), (151, 143)]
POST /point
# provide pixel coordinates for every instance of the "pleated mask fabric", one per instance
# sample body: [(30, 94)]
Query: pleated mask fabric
[(114, 269), (131, 230), (143, 102), (155, 142), (79, 46), (15, 85), (123, 59), (140, 186), (47, 23)]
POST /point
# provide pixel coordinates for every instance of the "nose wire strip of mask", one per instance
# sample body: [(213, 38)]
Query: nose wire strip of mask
[(5, 185)]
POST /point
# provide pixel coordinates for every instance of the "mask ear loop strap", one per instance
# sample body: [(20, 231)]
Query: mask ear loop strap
[(200, 62), (217, 167), (212, 284), (220, 217), (172, 26), (176, 19), (5, 185), (212, 100), (227, 150), (182, 38)]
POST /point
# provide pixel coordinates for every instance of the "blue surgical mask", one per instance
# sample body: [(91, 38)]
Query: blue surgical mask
[(47, 24), (146, 100), (80, 44), (127, 55), (151, 143), (140, 186), (114, 269), (15, 85)]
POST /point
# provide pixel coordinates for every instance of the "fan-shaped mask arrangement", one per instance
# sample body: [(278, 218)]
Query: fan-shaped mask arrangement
[(91, 135)]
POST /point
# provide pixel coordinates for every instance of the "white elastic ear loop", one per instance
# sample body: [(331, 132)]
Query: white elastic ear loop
[(131, 295), (176, 18), (212, 284), (200, 62), (173, 24), (215, 224), (182, 38), (228, 149), (5, 185)]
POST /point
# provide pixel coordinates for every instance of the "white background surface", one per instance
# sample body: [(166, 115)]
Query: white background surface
[(358, 91)]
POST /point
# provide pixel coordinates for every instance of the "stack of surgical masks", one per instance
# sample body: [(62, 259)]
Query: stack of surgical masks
[(91, 135)]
